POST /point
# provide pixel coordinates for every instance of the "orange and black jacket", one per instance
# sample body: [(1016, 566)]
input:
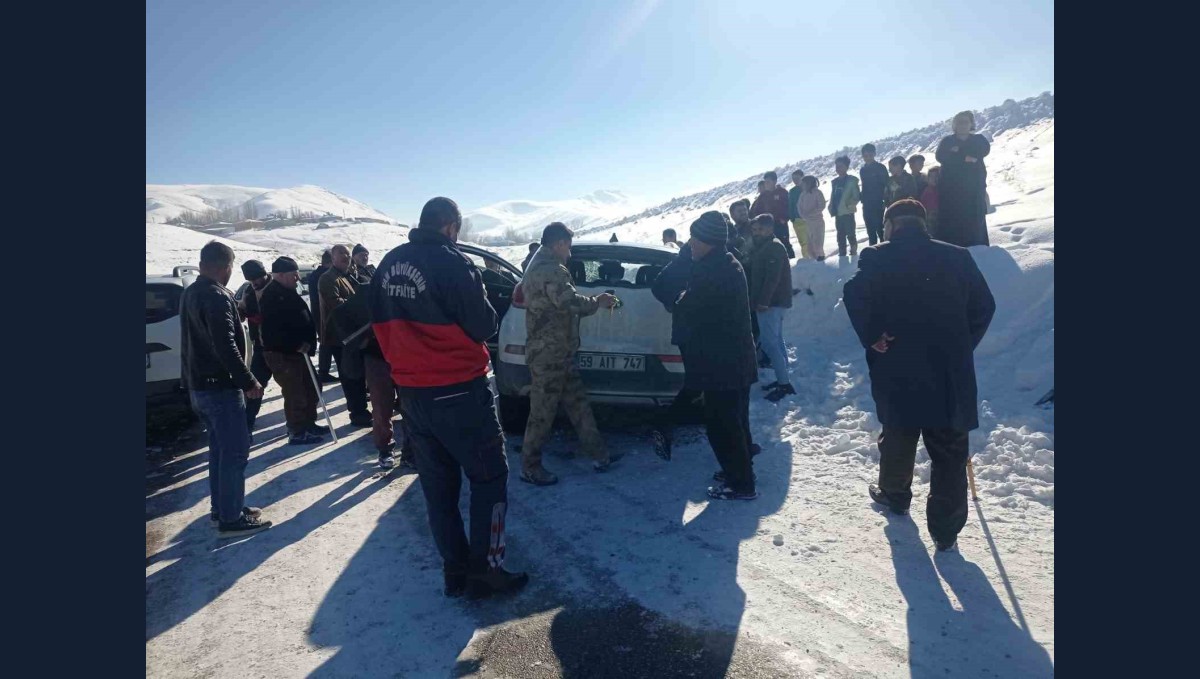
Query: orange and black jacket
[(430, 313)]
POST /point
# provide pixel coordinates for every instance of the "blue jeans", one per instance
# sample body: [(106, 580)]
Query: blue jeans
[(770, 334), (223, 412)]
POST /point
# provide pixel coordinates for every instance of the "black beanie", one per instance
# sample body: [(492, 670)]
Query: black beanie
[(253, 269), (710, 228), (284, 265), (357, 249)]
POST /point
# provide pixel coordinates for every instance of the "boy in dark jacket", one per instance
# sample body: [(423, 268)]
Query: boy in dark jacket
[(900, 184), (289, 338), (874, 183), (718, 353), (770, 296), (920, 307)]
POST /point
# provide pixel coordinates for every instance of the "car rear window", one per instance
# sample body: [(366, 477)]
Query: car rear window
[(162, 302), (627, 272)]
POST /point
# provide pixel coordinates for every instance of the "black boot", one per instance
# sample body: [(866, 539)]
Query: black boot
[(494, 581), (881, 497), (456, 584)]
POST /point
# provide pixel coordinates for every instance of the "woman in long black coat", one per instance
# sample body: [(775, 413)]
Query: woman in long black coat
[(962, 202)]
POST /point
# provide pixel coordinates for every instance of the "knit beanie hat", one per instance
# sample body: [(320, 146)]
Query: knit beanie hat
[(905, 208), (284, 265), (357, 249), (253, 269), (710, 228)]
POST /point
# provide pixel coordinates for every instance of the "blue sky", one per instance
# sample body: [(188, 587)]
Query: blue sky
[(394, 102)]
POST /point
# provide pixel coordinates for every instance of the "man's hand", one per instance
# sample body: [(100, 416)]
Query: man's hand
[(761, 307), (971, 159), (255, 392), (606, 300), (303, 348), (882, 345)]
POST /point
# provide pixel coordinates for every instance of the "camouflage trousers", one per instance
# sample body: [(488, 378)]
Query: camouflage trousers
[(557, 381)]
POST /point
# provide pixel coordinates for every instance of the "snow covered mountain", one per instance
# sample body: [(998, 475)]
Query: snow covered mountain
[(167, 201), (526, 218)]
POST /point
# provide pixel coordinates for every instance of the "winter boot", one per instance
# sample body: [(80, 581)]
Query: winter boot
[(881, 497), (945, 546), (724, 492), (538, 476), (304, 438), (456, 584), (494, 581)]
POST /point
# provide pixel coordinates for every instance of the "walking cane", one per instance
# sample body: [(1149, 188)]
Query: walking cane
[(971, 478), (321, 399)]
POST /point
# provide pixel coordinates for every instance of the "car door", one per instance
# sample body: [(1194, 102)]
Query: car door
[(499, 285)]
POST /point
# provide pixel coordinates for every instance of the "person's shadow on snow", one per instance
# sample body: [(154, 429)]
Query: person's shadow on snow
[(980, 639), (596, 547)]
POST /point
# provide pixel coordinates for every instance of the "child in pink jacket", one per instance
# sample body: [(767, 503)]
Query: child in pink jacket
[(811, 207)]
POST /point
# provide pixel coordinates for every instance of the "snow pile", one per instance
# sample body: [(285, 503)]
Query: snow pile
[(170, 246), (166, 201), (528, 217)]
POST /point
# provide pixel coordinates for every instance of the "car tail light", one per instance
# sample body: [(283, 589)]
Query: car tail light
[(518, 349), (518, 300), (670, 358)]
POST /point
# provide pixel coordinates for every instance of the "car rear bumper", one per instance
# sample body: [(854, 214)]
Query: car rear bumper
[(655, 386)]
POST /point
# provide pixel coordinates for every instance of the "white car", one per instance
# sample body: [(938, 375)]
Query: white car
[(625, 355), (164, 363)]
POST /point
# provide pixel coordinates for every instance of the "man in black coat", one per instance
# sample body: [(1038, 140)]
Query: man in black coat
[(713, 316), (288, 339), (920, 307), (325, 355)]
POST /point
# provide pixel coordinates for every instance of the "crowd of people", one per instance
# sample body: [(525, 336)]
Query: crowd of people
[(412, 333)]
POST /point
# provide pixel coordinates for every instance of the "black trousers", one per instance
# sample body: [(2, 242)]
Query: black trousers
[(455, 432), (784, 234), (325, 359), (262, 373), (873, 216), (727, 423), (946, 508)]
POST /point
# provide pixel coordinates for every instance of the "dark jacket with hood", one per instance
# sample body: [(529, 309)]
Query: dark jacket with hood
[(932, 298), (287, 323), (714, 319), (212, 340), (671, 281), (430, 312)]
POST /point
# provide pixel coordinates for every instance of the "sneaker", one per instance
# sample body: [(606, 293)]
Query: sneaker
[(719, 476), (386, 461), (326, 378), (304, 438), (662, 444), (247, 525), (361, 421), (881, 497), (319, 429), (538, 476), (945, 546), (246, 511), (724, 492), (779, 392), (769, 387), (455, 584), (494, 581)]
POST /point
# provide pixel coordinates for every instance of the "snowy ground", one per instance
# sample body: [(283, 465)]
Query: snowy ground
[(635, 572)]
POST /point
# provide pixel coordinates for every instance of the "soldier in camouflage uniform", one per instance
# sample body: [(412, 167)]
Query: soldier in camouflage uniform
[(552, 312)]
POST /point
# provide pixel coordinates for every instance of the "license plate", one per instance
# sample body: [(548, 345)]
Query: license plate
[(618, 362)]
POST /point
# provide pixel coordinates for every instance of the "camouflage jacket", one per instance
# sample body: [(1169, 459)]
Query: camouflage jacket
[(552, 307)]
